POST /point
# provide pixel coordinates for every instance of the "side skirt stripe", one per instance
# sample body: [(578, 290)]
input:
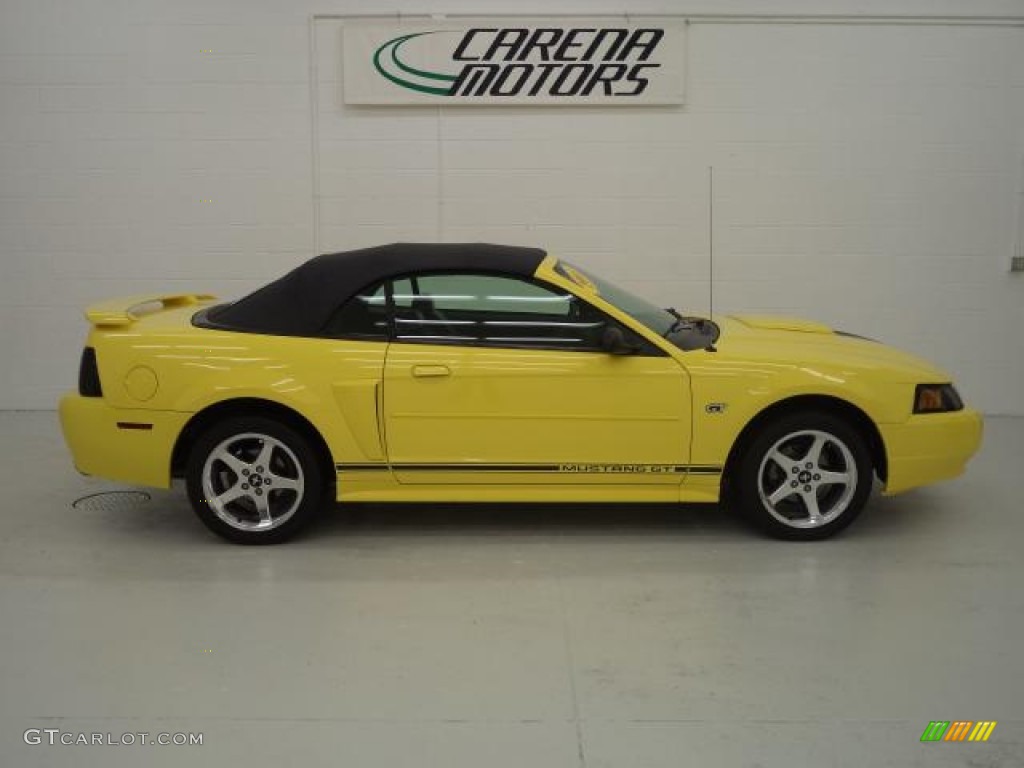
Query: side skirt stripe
[(568, 468)]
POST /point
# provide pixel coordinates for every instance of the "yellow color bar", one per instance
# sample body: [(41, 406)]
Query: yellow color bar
[(983, 730)]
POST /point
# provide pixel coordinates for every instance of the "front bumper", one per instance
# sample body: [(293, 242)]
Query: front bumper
[(128, 445), (929, 447)]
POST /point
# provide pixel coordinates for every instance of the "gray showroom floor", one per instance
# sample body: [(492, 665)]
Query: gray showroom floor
[(490, 637)]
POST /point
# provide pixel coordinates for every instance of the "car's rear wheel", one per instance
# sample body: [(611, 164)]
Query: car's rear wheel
[(804, 476), (254, 480)]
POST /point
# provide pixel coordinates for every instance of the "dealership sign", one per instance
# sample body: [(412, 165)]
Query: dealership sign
[(608, 61)]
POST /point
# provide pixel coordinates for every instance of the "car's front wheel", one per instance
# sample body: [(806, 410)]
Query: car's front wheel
[(254, 480), (804, 476)]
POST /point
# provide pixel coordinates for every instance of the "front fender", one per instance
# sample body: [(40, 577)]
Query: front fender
[(728, 395)]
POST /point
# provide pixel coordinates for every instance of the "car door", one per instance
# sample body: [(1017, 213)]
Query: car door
[(500, 379)]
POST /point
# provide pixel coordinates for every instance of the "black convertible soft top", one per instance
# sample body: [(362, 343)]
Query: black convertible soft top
[(301, 302)]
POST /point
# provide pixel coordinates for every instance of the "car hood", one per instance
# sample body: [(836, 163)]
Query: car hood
[(782, 323), (800, 341)]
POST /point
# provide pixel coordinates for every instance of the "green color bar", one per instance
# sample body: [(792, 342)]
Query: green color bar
[(935, 730)]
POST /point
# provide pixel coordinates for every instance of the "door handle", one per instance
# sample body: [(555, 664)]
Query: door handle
[(424, 371)]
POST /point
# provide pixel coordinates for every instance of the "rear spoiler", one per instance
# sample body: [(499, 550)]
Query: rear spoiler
[(119, 313)]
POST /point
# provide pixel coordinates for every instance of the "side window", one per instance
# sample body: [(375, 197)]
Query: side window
[(403, 292), (364, 316), (492, 310)]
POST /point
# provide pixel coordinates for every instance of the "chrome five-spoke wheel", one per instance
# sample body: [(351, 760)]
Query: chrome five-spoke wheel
[(256, 480), (807, 479), (803, 475), (252, 481)]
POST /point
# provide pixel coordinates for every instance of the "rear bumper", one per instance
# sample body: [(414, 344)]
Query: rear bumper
[(128, 445), (928, 448)]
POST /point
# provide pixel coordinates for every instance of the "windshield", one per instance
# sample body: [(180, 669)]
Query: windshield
[(685, 332), (657, 319)]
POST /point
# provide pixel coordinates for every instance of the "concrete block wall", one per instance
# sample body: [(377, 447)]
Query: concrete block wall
[(866, 174)]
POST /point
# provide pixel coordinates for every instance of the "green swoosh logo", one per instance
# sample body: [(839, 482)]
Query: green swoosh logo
[(387, 63)]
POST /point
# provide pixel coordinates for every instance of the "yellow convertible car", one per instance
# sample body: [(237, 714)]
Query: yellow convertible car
[(495, 373)]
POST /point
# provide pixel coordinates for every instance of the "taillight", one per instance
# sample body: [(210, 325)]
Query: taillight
[(89, 375)]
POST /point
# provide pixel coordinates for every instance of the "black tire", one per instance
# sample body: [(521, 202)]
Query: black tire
[(776, 452), (250, 503)]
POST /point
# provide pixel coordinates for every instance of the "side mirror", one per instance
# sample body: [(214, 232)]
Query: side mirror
[(613, 341)]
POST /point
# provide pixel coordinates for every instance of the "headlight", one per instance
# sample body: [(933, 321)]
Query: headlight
[(936, 398)]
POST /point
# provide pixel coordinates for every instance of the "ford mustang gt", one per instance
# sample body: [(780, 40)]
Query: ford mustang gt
[(467, 372)]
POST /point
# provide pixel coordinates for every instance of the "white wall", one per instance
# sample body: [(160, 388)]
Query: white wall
[(867, 175)]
